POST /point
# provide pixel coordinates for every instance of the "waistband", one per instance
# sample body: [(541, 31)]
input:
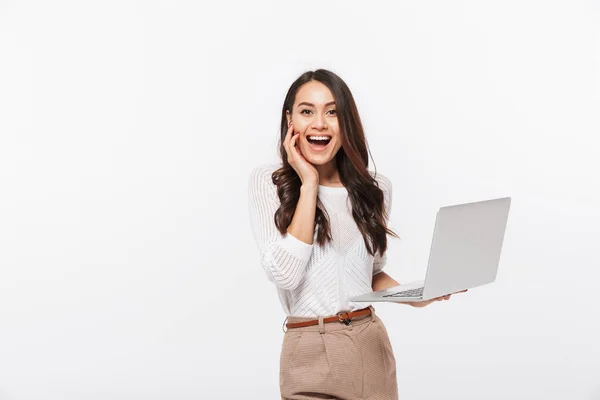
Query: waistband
[(336, 322)]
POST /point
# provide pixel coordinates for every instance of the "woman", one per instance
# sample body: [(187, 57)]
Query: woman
[(320, 223)]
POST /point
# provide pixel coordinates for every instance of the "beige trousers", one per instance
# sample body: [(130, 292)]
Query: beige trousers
[(338, 361)]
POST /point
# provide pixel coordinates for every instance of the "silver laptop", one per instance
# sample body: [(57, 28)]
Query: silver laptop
[(465, 252)]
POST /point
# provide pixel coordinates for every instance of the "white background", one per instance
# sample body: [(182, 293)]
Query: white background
[(128, 130)]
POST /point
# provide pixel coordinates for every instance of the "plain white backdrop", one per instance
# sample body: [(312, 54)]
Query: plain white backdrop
[(128, 129)]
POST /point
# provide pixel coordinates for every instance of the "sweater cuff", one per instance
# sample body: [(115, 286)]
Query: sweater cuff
[(296, 247)]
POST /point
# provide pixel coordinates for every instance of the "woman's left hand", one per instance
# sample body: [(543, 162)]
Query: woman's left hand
[(427, 302)]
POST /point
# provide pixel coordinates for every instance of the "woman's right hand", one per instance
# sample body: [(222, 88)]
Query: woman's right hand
[(305, 170), (427, 302)]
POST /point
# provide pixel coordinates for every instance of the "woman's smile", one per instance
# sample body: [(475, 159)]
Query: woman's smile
[(318, 143)]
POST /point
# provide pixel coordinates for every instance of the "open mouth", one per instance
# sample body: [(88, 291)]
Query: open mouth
[(318, 142)]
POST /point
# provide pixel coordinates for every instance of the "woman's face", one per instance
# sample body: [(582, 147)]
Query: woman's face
[(314, 117)]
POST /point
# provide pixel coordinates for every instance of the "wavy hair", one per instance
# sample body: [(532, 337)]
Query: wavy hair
[(352, 161)]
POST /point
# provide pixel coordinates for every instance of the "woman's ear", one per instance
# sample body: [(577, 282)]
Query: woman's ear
[(287, 114)]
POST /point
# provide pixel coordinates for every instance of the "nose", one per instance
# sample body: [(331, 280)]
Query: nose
[(319, 121)]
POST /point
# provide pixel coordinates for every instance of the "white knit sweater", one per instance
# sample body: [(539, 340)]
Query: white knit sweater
[(312, 280)]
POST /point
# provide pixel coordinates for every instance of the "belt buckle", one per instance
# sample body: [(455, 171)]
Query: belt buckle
[(346, 320)]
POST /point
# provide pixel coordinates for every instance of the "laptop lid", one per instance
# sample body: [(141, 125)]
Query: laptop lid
[(465, 247)]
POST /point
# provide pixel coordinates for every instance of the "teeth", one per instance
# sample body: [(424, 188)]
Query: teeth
[(319, 137)]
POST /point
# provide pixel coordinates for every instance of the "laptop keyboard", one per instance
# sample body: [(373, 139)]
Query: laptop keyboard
[(418, 292)]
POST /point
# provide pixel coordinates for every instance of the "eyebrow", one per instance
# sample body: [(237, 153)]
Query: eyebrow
[(312, 105)]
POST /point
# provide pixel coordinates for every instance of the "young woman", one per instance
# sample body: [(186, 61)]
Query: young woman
[(320, 222)]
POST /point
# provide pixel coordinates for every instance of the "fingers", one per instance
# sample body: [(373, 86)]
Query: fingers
[(289, 142), (287, 135), (294, 139), (441, 298)]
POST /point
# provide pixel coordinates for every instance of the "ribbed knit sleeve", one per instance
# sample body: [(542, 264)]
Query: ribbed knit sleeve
[(283, 257), (386, 186)]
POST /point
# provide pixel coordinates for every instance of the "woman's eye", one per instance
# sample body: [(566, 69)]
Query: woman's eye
[(332, 111)]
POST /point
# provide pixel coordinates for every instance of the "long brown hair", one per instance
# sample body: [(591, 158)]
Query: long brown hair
[(352, 161)]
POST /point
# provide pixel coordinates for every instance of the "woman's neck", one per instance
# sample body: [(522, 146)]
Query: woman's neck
[(328, 174)]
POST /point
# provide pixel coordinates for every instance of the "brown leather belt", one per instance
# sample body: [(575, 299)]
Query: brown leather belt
[(345, 317)]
